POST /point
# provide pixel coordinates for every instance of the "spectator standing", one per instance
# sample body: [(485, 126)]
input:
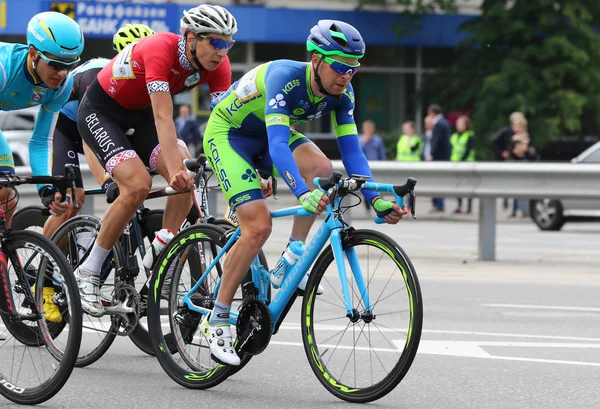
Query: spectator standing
[(462, 144), (440, 145), (188, 129), (372, 146), (410, 145)]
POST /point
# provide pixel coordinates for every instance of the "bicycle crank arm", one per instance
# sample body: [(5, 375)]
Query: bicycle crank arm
[(119, 309)]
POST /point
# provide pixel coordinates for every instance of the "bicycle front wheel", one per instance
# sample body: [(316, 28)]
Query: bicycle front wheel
[(38, 346), (363, 355)]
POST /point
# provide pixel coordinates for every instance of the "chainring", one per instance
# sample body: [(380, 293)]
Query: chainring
[(125, 295), (254, 327)]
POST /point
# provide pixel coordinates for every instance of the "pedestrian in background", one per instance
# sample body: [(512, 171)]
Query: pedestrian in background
[(462, 144), (372, 146), (440, 145), (188, 129), (410, 145)]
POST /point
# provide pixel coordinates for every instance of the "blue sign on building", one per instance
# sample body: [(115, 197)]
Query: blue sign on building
[(103, 19), (100, 19)]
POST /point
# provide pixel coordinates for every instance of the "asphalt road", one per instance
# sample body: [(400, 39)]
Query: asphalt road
[(521, 332)]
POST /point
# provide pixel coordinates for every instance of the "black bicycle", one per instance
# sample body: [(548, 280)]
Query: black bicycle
[(123, 290), (38, 348)]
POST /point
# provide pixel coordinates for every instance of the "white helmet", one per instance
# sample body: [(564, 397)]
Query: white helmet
[(208, 19)]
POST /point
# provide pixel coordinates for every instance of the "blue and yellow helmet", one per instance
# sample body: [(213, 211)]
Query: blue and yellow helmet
[(334, 37), (55, 33)]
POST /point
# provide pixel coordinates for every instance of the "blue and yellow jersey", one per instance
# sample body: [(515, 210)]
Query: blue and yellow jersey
[(273, 96)]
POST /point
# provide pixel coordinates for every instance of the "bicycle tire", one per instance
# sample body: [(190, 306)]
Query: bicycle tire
[(64, 230), (185, 377), (66, 357), (30, 216), (335, 386)]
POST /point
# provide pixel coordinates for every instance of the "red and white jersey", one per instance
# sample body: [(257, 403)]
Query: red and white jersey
[(157, 63)]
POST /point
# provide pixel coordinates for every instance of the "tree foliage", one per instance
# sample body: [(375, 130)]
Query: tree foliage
[(540, 57)]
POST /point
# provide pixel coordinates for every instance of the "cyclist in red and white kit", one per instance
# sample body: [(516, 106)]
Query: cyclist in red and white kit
[(134, 91)]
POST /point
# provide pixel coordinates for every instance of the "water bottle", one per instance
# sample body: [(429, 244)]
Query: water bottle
[(84, 240), (287, 260), (163, 237)]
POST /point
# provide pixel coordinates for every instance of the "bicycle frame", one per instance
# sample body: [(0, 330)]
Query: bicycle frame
[(331, 229)]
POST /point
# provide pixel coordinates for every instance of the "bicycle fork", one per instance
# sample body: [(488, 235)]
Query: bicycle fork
[(340, 255)]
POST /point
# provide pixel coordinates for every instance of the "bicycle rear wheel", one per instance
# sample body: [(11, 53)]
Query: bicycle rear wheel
[(35, 371), (192, 365), (362, 356), (100, 332)]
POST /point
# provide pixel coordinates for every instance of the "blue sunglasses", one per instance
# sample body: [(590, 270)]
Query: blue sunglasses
[(217, 43), (340, 67), (59, 65)]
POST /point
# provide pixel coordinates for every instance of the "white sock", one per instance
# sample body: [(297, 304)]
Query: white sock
[(92, 265)]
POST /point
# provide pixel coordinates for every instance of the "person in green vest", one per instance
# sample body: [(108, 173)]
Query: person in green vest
[(462, 143), (410, 146)]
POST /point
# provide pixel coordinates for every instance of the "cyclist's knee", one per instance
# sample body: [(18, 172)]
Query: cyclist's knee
[(136, 189), (256, 222), (323, 168)]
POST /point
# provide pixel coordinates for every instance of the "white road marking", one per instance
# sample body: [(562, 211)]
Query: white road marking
[(543, 307), (473, 349)]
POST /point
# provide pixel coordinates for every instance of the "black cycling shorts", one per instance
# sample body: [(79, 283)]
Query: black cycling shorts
[(65, 147), (103, 124)]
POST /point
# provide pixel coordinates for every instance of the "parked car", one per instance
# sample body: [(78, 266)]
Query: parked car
[(16, 127), (550, 214)]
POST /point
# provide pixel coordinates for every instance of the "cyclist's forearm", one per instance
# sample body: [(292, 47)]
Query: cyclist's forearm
[(355, 161)]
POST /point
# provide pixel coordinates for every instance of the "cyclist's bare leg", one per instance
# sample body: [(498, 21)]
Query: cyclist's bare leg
[(94, 164), (54, 222), (312, 163), (134, 183), (178, 206), (255, 221), (8, 204)]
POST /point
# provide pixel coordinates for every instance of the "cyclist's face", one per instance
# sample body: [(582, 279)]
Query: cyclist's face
[(334, 82), (51, 76), (211, 50)]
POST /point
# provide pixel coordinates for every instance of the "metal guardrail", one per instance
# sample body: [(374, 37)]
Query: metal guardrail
[(486, 181)]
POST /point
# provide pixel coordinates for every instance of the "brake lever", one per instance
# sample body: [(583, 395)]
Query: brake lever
[(412, 203), (274, 185), (71, 182)]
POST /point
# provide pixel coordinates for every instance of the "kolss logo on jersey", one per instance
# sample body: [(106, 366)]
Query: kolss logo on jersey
[(290, 86)]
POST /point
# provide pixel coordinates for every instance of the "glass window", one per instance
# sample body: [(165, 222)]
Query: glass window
[(386, 99), (264, 52), (434, 57), (594, 157), (388, 56), (237, 54)]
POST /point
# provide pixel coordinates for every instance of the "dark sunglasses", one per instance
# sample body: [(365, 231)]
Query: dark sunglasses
[(58, 65), (217, 43), (340, 67)]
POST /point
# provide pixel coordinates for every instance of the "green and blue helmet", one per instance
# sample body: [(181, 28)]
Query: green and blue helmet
[(334, 37)]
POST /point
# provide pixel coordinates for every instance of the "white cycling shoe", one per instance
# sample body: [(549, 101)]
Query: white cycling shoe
[(89, 293), (220, 341)]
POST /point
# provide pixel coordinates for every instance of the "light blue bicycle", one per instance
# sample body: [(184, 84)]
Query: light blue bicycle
[(360, 336)]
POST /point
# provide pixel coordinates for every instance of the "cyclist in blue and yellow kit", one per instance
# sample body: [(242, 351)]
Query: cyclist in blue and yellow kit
[(38, 74), (250, 129)]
